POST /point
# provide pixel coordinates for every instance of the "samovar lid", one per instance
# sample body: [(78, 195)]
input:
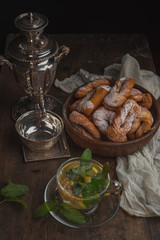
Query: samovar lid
[(31, 45), (31, 21)]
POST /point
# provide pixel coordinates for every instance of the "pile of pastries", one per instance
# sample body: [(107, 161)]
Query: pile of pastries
[(111, 113)]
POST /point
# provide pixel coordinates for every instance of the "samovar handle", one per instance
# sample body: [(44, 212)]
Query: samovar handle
[(63, 50), (5, 61)]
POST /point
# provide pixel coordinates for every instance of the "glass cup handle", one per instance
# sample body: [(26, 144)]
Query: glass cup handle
[(115, 187)]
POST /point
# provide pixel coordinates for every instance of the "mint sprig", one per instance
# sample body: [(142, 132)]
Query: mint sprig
[(45, 208), (72, 214), (66, 210), (106, 168), (85, 184), (11, 193), (86, 156)]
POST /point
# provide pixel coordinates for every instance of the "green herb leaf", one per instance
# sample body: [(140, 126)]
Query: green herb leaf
[(83, 176), (86, 155), (92, 202), (74, 173), (45, 208), (69, 212), (77, 189), (94, 187), (106, 169), (18, 200), (13, 190), (72, 214)]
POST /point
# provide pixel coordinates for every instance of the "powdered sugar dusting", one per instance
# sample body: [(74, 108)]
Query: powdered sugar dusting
[(122, 78), (84, 100), (89, 105), (124, 119), (119, 93), (112, 99), (125, 111), (102, 118), (106, 87), (135, 91)]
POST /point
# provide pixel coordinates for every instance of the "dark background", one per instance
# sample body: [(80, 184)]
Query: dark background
[(109, 16)]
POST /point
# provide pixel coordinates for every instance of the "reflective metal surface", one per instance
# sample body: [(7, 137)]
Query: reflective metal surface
[(37, 132), (33, 57)]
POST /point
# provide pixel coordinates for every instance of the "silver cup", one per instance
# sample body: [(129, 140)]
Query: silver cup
[(39, 132)]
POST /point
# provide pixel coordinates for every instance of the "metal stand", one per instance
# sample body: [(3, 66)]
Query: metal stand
[(24, 105)]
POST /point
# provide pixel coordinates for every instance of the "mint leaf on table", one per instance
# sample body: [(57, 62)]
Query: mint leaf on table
[(13, 190), (18, 200), (11, 193)]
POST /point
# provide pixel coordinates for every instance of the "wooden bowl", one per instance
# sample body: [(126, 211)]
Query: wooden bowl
[(108, 148)]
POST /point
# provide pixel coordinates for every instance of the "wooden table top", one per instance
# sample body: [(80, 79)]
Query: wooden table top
[(92, 53)]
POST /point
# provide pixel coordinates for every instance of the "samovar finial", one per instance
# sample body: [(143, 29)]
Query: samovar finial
[(31, 17)]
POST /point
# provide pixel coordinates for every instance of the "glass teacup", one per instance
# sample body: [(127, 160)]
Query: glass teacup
[(82, 198)]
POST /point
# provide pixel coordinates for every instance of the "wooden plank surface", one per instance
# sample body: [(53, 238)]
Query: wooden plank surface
[(92, 53)]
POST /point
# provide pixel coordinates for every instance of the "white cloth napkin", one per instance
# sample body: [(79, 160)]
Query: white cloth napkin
[(139, 173)]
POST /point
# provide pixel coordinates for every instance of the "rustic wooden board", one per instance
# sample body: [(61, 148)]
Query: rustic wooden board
[(92, 53)]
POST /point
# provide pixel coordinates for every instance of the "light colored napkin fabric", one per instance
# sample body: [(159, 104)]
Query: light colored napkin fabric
[(139, 173), (77, 79)]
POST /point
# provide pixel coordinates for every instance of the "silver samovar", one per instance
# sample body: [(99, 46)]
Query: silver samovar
[(33, 57)]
